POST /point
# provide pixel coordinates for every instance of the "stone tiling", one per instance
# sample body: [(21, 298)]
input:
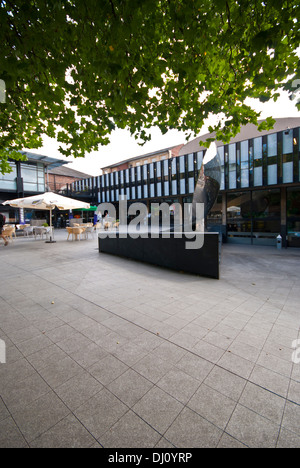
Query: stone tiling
[(106, 352)]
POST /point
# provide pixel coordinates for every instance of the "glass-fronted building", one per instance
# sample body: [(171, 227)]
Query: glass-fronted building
[(26, 178), (259, 196)]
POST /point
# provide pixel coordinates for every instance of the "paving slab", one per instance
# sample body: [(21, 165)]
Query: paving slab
[(107, 352)]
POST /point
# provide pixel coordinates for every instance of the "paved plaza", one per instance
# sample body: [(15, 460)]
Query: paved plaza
[(106, 352)]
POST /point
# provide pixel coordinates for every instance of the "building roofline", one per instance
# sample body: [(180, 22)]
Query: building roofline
[(135, 158), (247, 132), (46, 160)]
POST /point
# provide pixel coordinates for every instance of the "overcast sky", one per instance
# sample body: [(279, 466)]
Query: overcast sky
[(123, 146)]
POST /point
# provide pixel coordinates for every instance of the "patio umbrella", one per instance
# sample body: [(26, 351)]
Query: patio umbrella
[(47, 201)]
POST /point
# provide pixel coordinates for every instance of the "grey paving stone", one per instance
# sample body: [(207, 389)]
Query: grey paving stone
[(39, 416), (130, 432), (102, 351), (191, 430), (68, 433), (130, 387), (100, 412), (253, 430), (158, 409), (212, 405)]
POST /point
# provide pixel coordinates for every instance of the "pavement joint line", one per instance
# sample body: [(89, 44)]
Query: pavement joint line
[(181, 347), (164, 339)]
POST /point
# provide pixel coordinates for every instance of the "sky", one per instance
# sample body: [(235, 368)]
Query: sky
[(124, 146)]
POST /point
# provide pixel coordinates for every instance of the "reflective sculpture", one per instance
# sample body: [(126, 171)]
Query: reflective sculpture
[(208, 184)]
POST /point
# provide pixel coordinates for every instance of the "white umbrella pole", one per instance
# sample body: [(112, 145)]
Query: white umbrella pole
[(51, 241)]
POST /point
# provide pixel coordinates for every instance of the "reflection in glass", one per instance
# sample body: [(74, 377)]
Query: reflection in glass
[(166, 188), (232, 166), (174, 187), (190, 162), (293, 216), (181, 164), (209, 180)]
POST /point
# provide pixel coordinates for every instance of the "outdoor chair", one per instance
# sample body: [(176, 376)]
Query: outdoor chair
[(41, 231), (28, 230), (9, 231), (77, 232), (70, 232), (89, 230)]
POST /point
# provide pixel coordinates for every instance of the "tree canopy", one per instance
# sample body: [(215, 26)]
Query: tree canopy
[(77, 69)]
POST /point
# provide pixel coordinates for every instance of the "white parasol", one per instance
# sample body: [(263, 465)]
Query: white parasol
[(47, 201)]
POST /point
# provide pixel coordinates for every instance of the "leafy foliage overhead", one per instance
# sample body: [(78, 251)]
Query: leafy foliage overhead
[(76, 69)]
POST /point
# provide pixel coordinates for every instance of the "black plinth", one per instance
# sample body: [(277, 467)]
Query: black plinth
[(168, 252)]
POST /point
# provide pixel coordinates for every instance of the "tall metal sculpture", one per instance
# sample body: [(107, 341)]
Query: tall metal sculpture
[(208, 184)]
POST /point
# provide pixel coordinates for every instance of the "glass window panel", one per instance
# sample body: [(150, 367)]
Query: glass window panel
[(145, 191), (127, 176), (258, 176), (138, 173), (287, 147), (232, 179), (173, 167), (107, 179), (245, 177), (128, 193), (257, 144), (272, 145), (287, 174), (239, 214), (199, 159), (166, 188), (293, 216), (266, 210), (145, 172), (174, 187), (158, 170), (122, 177), (232, 166), (158, 189), (244, 151), (112, 195), (107, 196), (29, 174), (139, 191), (232, 154), (182, 186), (152, 193), (191, 185), (151, 168), (181, 164), (190, 162), (166, 168), (221, 155), (272, 174), (132, 174), (112, 178), (133, 192)]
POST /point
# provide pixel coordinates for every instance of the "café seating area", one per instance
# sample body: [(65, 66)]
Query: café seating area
[(78, 232)]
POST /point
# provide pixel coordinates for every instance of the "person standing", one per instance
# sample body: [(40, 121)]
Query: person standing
[(2, 222)]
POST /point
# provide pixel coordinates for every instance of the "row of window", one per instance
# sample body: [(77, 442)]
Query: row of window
[(33, 176), (263, 161)]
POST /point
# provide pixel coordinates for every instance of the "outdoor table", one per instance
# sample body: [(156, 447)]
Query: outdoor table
[(40, 231)]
